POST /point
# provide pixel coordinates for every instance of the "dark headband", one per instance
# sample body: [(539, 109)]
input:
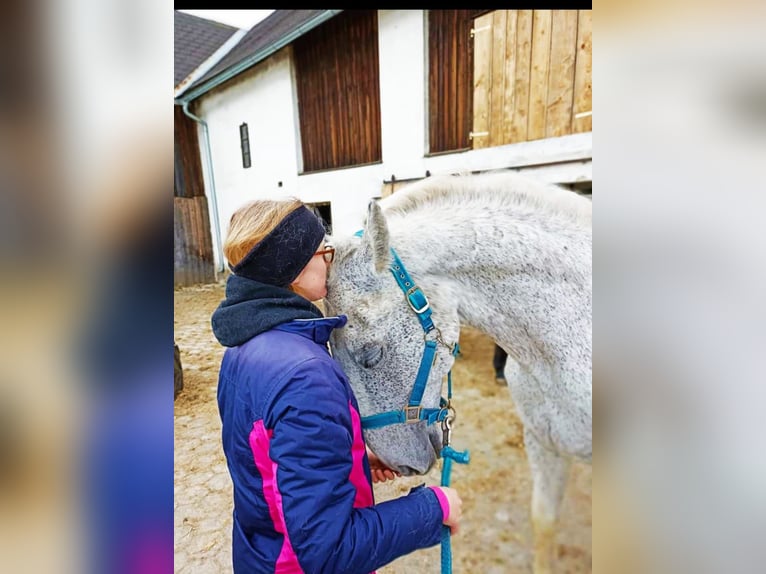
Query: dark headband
[(280, 256)]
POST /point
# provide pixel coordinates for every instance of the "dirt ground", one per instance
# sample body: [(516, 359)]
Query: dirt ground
[(496, 534)]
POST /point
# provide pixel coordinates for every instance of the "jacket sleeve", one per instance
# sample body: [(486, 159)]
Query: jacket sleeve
[(311, 448)]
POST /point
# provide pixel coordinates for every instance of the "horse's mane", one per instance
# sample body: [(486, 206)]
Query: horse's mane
[(495, 190)]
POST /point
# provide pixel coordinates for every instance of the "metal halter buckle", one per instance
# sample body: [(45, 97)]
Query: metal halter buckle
[(409, 292), (412, 414)]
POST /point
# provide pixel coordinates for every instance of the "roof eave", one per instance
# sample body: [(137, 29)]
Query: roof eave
[(211, 61), (252, 60)]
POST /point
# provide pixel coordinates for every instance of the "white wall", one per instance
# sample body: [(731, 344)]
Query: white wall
[(401, 49), (265, 99)]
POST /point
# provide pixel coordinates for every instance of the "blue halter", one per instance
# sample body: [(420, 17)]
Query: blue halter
[(414, 412)]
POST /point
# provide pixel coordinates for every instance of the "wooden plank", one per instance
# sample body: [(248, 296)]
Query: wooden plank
[(206, 257), (523, 59), (433, 83), (191, 229), (178, 242), (198, 229), (201, 209), (467, 73), (583, 91), (208, 250), (482, 79), (497, 87), (203, 231), (446, 50), (194, 242), (451, 60), (435, 34), (509, 75), (185, 225), (374, 122), (538, 79), (207, 245), (441, 79), (462, 79), (195, 231), (562, 67)]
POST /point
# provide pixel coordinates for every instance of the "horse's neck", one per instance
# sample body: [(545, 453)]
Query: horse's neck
[(523, 282)]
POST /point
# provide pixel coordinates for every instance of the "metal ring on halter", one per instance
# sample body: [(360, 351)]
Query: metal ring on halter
[(437, 338), (438, 335), (449, 420)]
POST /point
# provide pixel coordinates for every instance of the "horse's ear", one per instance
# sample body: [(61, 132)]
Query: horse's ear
[(376, 237)]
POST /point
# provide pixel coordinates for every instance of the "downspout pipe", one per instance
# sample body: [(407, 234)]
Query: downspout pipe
[(211, 185)]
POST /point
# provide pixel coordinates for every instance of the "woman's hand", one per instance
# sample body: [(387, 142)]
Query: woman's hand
[(380, 472), (455, 508)]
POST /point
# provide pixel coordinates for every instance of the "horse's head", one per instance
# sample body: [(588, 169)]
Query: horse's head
[(382, 347)]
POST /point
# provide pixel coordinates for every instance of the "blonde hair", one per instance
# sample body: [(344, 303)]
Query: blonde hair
[(252, 222)]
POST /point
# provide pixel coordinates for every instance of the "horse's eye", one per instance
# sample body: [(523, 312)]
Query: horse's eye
[(369, 355)]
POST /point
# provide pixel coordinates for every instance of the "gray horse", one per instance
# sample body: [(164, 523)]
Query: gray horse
[(507, 255)]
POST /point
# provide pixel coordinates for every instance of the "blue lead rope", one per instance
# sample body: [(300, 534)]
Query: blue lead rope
[(449, 454)]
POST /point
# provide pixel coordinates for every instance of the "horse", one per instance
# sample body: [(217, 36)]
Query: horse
[(508, 255)]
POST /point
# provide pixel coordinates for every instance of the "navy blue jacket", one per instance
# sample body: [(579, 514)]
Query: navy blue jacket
[(303, 499)]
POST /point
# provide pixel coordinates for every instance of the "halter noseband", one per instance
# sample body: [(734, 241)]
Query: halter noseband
[(413, 412)]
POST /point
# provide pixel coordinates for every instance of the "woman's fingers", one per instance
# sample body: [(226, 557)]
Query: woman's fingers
[(380, 475)]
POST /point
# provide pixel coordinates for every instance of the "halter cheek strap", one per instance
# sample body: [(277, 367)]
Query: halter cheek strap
[(418, 302)]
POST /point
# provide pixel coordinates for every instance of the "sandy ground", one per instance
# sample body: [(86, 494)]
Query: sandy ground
[(496, 534)]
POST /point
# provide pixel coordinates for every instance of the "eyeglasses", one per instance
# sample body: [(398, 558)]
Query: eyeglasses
[(328, 253)]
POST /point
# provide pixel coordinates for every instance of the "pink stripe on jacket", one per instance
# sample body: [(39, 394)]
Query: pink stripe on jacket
[(287, 562), (260, 437)]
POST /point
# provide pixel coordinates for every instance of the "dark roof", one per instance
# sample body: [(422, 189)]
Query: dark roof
[(196, 39), (264, 34)]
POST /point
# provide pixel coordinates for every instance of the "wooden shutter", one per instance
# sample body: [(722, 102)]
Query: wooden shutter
[(188, 167), (338, 85), (450, 79)]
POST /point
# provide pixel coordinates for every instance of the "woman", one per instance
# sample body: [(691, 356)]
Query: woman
[(303, 499)]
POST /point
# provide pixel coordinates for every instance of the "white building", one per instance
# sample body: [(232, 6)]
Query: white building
[(336, 107)]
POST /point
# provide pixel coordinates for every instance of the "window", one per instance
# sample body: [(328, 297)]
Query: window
[(324, 212), (244, 142), (338, 87), (583, 188)]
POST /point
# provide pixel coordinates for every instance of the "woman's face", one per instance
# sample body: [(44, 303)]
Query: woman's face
[(312, 281)]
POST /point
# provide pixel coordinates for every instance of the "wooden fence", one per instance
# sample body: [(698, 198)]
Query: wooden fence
[(193, 247)]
